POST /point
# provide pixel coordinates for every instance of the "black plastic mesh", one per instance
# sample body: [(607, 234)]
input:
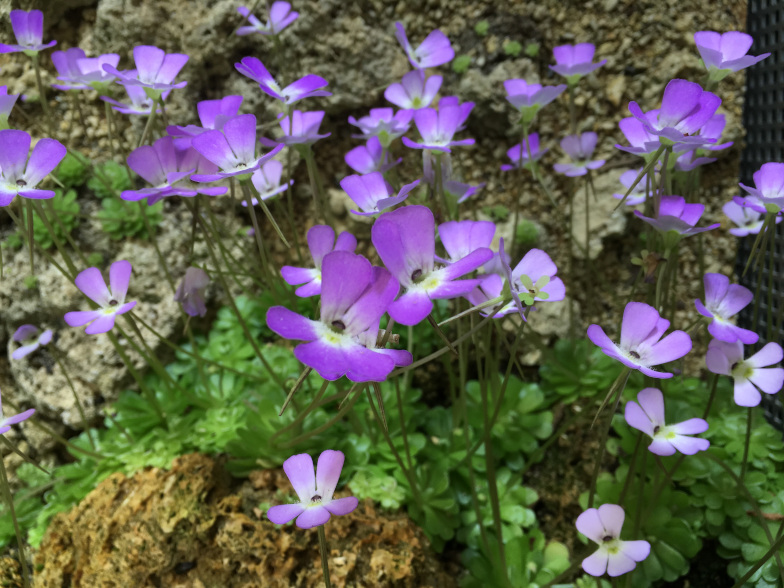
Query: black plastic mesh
[(763, 117)]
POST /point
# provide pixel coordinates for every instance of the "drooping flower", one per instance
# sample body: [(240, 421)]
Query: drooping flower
[(641, 141), (321, 240), (750, 375), (7, 102), (6, 422), (315, 491), (725, 53), (438, 128), (369, 158), (514, 154), (529, 99), (354, 296), (20, 175), (79, 72), (141, 103), (190, 291), (266, 180), (309, 86), (685, 108), (647, 415), (575, 61), (29, 32), (280, 16), (580, 149), (641, 345), (167, 166), (30, 338), (677, 217), (232, 149), (373, 194), (768, 186), (603, 526), (405, 241), (213, 114), (637, 195), (749, 219), (723, 301), (155, 70), (111, 300), (414, 91), (435, 50), (383, 123)]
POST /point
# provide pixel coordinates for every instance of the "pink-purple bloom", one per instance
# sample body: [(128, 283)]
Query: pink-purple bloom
[(315, 491), (532, 280), (750, 375), (111, 300), (405, 241), (266, 181), (642, 346), (725, 53), (321, 240), (213, 114), (437, 128), (30, 338), (647, 415), (723, 301), (768, 186), (575, 61), (641, 141), (20, 175), (280, 16), (354, 296), (308, 86), (190, 291), (515, 156), (678, 217), (637, 195), (79, 72), (749, 219), (435, 50), (685, 108), (603, 526), (371, 157), (7, 102), (6, 422), (530, 98), (579, 148), (383, 123), (461, 238), (373, 194), (414, 91), (302, 128), (155, 70), (29, 32), (141, 103)]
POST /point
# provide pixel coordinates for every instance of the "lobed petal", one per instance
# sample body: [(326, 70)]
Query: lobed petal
[(299, 469)]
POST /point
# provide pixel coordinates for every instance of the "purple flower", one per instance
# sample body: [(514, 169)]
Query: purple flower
[(530, 98), (373, 194), (685, 108), (750, 375), (514, 153), (266, 180), (405, 241), (314, 491), (232, 149), (141, 103), (677, 217), (190, 292), (20, 175), (155, 70), (29, 32), (768, 186), (167, 167), (321, 240), (7, 102), (489, 288), (80, 72), (371, 157), (603, 526), (723, 301), (302, 128), (383, 123), (749, 219), (727, 53), (637, 195), (6, 422), (309, 86), (641, 142), (533, 279), (414, 91), (641, 347), (689, 161), (213, 114), (280, 16), (713, 130), (354, 296), (579, 148), (437, 128), (461, 238), (111, 300), (67, 68), (454, 102), (31, 338), (435, 50), (575, 61), (648, 417)]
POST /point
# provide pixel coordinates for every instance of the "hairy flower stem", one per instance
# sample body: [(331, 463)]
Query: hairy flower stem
[(402, 418), (79, 407), (712, 396), (630, 471), (324, 558), (30, 232), (319, 203), (649, 166), (315, 403), (518, 204), (572, 110), (148, 126), (257, 232), (107, 110), (439, 187), (321, 428), (34, 204), (297, 385), (747, 442), (640, 494), (68, 238), (42, 94), (151, 233), (9, 500)]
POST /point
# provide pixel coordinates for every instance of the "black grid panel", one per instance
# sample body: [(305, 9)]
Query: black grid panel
[(763, 117)]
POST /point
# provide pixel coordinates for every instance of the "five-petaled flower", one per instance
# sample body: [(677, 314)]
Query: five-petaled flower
[(155, 70), (31, 338), (603, 526), (280, 16), (111, 300), (723, 301), (414, 90), (6, 422), (435, 50), (315, 491), (306, 87), (29, 31), (725, 53), (20, 175), (575, 61), (321, 240), (750, 374)]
